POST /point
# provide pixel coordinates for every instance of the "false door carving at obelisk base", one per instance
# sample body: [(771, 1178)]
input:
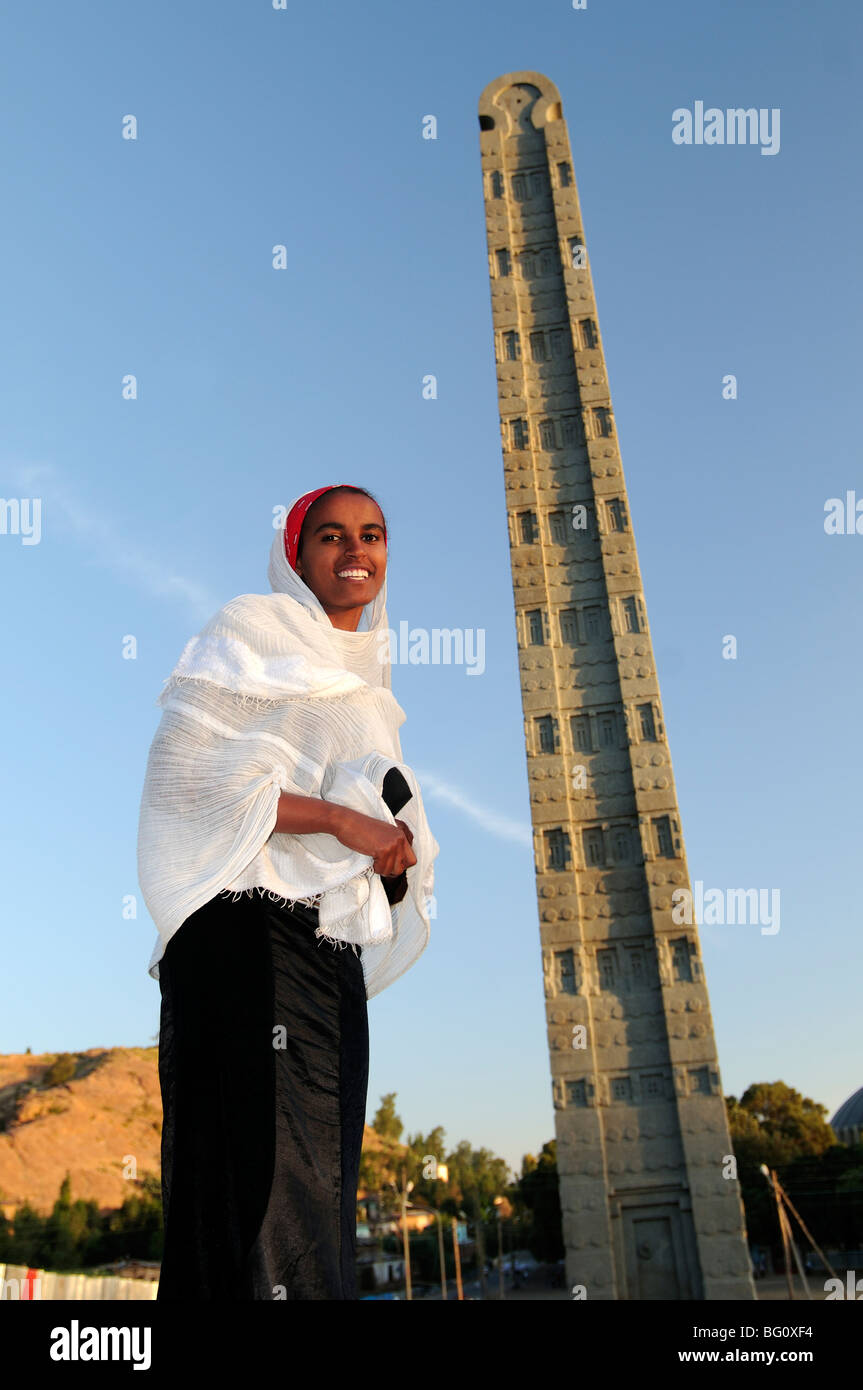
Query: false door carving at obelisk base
[(651, 1209)]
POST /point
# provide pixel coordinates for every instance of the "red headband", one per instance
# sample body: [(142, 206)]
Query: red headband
[(296, 517)]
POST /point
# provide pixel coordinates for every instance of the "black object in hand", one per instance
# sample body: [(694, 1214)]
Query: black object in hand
[(395, 794), (395, 791)]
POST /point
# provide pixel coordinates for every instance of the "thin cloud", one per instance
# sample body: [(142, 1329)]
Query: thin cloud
[(501, 826), (109, 543)]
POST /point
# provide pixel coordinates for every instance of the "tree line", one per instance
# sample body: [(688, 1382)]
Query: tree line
[(770, 1123)]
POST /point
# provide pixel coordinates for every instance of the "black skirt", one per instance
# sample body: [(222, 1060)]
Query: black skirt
[(263, 1066)]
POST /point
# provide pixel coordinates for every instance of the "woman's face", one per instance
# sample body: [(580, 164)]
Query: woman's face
[(343, 533)]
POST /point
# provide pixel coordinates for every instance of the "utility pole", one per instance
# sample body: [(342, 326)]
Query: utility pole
[(457, 1258), (783, 1201), (786, 1245), (804, 1228), (480, 1245), (797, 1259), (406, 1187), (441, 1257), (785, 1231), (442, 1175), (500, 1279)]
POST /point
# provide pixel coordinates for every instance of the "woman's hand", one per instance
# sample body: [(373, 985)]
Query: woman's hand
[(396, 888), (388, 845)]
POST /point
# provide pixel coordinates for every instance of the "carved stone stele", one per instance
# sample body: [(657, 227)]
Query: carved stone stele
[(642, 1136)]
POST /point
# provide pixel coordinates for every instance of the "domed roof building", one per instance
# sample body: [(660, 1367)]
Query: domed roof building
[(847, 1123)]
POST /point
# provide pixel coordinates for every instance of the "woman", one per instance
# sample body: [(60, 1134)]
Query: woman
[(286, 894)]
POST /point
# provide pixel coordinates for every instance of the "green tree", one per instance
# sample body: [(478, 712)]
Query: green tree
[(76, 1235), (64, 1230), (539, 1190), (477, 1177), (851, 1180), (380, 1165), (28, 1244), (136, 1229), (773, 1124), (62, 1069), (419, 1150), (386, 1122)]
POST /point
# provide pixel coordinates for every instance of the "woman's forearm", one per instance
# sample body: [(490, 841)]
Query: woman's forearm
[(305, 815), (387, 845)]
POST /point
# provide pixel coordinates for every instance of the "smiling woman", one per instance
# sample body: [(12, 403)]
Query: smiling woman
[(267, 834), (341, 542)]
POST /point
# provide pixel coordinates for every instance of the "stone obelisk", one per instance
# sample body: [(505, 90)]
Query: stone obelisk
[(650, 1200)]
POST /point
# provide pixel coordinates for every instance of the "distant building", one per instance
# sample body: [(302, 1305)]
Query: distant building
[(847, 1123)]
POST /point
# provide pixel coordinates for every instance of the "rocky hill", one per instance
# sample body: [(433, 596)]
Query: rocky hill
[(84, 1113)]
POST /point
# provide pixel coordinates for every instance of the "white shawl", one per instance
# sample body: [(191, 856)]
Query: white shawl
[(270, 697)]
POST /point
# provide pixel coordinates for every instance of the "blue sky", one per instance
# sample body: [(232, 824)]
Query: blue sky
[(303, 127)]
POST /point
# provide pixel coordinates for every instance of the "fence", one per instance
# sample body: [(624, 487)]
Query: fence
[(21, 1282)]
